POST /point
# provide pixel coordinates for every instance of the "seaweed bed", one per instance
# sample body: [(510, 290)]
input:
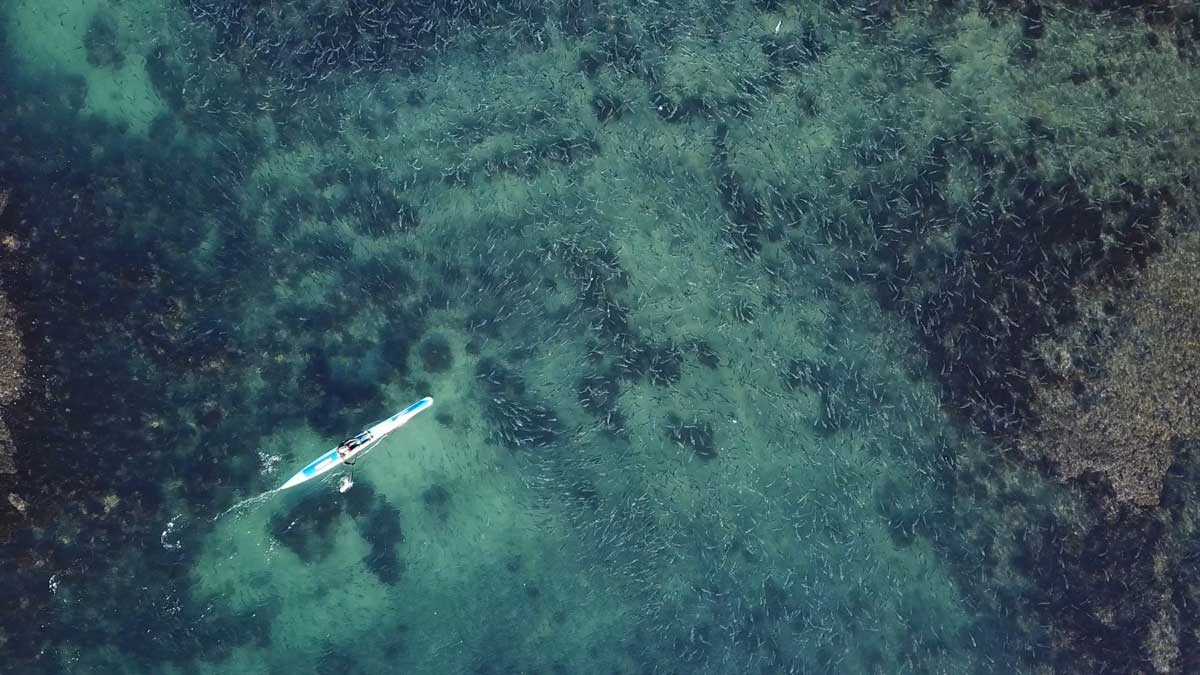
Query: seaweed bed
[(12, 356)]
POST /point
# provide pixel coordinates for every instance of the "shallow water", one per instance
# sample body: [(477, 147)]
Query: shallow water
[(685, 280)]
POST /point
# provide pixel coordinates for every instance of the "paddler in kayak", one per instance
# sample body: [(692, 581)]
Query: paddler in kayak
[(352, 447), (347, 446)]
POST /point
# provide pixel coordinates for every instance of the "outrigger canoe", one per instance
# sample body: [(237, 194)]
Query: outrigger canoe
[(363, 442)]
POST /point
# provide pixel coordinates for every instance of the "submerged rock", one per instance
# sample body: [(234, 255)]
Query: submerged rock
[(18, 503), (12, 367), (1123, 386), (12, 357), (7, 449), (102, 42)]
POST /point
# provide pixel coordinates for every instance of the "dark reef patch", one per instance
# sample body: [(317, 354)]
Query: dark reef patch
[(382, 279), (980, 286), (298, 41), (102, 354), (578, 17), (342, 384), (662, 364), (1031, 20), (436, 355), (846, 396), (398, 340), (101, 41), (379, 211), (1181, 499), (599, 393), (744, 310), (167, 78), (1104, 620), (598, 278), (135, 312), (436, 499), (615, 45), (903, 518), (382, 530), (791, 50), (744, 229), (979, 303), (607, 107), (705, 354), (306, 529), (695, 435), (379, 524), (805, 374), (517, 420)]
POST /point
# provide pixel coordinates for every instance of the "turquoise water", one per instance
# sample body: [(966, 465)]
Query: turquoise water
[(725, 307)]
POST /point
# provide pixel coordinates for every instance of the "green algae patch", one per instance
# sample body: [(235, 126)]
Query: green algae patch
[(102, 45)]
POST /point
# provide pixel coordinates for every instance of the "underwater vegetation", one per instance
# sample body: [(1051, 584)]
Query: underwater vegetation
[(101, 42), (436, 355), (314, 38), (694, 435), (309, 529), (12, 355), (518, 420), (1122, 379)]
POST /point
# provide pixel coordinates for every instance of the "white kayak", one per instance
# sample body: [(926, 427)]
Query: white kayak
[(361, 443)]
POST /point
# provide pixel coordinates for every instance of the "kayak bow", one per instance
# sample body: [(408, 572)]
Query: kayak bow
[(366, 440)]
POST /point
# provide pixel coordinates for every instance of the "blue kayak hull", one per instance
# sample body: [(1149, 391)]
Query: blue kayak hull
[(367, 439)]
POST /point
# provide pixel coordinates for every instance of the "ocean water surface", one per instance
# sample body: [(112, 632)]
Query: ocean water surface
[(756, 330)]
